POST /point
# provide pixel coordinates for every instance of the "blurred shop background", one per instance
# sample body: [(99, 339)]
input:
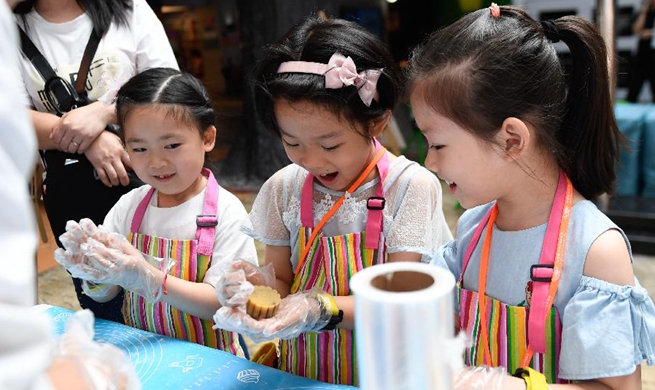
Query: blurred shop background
[(218, 41)]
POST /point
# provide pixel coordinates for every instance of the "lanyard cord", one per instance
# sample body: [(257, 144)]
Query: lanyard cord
[(338, 204)]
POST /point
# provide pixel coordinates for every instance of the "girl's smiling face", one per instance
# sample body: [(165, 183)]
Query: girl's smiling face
[(166, 153), (471, 167), (323, 143)]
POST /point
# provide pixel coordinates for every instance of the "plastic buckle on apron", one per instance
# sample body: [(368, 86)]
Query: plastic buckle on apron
[(541, 272), (206, 220), (376, 203)]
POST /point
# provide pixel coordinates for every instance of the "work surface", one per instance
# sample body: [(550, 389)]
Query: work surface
[(165, 363)]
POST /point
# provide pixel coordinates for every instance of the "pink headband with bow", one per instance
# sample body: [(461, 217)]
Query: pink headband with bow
[(339, 72)]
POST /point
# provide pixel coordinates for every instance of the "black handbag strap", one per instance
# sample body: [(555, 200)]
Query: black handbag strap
[(45, 70)]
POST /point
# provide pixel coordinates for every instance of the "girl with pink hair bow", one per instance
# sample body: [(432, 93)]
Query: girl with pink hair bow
[(327, 88)]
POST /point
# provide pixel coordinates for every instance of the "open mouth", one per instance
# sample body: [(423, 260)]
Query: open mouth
[(451, 185), (328, 177), (163, 177)]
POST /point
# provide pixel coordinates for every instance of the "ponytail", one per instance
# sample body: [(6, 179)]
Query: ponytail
[(588, 134)]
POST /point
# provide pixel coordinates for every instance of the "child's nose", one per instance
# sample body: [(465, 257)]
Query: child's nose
[(431, 162), (157, 161), (311, 161)]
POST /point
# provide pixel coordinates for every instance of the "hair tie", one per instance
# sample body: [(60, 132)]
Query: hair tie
[(339, 72), (550, 30), (495, 10)]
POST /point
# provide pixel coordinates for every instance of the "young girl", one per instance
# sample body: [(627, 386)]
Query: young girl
[(328, 88), (86, 166), (182, 214), (545, 279)]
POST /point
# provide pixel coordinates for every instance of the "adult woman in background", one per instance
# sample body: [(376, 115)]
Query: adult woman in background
[(643, 61), (87, 166)]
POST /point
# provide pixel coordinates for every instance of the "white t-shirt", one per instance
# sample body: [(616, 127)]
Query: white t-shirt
[(122, 53), (179, 223), (26, 334)]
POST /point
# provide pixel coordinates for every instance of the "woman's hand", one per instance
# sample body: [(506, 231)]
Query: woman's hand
[(78, 128), (109, 159)]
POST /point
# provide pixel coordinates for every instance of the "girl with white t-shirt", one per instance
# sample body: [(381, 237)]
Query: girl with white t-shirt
[(86, 166), (181, 214)]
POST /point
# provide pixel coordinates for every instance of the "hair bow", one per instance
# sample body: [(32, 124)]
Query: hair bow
[(339, 72), (343, 72)]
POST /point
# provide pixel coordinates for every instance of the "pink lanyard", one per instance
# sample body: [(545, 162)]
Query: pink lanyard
[(206, 222), (374, 204), (545, 275)]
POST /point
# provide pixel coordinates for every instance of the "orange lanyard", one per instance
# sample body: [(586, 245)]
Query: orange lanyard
[(557, 271), (371, 165)]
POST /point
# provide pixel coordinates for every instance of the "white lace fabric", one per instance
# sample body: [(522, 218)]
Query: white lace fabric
[(413, 219)]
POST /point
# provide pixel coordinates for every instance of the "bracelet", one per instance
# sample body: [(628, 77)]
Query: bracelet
[(329, 308), (534, 380), (163, 284)]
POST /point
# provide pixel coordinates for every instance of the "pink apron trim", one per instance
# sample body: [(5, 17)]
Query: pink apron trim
[(374, 204), (541, 272), (206, 222)]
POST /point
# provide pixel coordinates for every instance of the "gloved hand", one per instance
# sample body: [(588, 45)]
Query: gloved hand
[(122, 264), (103, 366), (307, 311), (479, 378), (98, 256), (237, 279), (76, 234)]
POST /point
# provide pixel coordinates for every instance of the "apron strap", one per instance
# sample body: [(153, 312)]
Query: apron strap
[(141, 211), (207, 221), (306, 202), (375, 204), (542, 274), (474, 242)]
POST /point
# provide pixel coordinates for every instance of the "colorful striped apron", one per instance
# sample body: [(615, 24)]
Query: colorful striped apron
[(519, 336), (192, 260), (329, 356)]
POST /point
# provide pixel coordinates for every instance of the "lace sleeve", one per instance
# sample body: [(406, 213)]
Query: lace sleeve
[(265, 222), (418, 225)]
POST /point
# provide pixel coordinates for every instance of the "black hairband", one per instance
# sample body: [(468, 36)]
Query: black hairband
[(550, 30)]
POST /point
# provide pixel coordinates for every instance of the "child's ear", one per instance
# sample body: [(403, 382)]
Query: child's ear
[(378, 125), (514, 137), (209, 138)]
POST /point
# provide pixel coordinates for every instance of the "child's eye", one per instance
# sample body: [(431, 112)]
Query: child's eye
[(172, 146), (138, 150), (331, 148), (437, 147), (288, 144)]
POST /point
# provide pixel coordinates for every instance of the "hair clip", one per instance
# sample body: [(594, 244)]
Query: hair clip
[(339, 72), (495, 10)]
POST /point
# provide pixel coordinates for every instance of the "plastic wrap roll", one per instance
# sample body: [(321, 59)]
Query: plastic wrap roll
[(404, 326)]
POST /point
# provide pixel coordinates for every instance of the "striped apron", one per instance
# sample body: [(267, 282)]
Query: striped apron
[(518, 336), (330, 356), (192, 260)]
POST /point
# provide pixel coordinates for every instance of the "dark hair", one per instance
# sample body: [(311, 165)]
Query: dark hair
[(180, 94), (101, 12), (482, 69), (316, 40)]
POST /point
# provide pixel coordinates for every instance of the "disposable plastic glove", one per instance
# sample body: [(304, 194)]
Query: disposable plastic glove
[(77, 234), (237, 279), (479, 378), (103, 366), (73, 260), (124, 265), (298, 313)]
